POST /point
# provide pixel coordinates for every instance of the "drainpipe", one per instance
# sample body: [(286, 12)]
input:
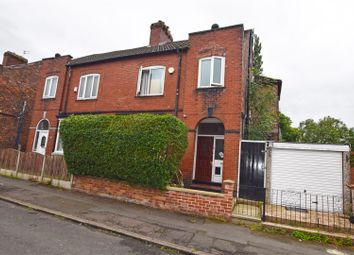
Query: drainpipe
[(250, 51), (67, 90), (179, 51), (64, 88), (21, 118)]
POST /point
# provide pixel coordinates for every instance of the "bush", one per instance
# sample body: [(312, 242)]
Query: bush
[(142, 149)]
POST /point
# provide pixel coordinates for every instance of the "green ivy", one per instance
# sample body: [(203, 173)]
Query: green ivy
[(141, 149)]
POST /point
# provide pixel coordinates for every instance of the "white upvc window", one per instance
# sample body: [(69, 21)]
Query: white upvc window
[(58, 143), (88, 87), (211, 72), (50, 87), (151, 81)]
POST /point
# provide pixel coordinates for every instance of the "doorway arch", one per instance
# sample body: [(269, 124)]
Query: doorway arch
[(41, 136), (209, 151)]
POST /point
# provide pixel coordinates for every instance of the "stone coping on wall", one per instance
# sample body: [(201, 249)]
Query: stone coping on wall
[(195, 191)]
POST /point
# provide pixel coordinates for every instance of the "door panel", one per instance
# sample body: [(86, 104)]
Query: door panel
[(252, 167), (218, 160), (41, 142), (204, 160)]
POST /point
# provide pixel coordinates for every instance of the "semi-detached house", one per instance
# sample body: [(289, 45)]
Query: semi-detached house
[(202, 80)]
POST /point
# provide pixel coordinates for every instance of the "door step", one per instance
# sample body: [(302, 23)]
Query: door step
[(205, 187), (240, 217)]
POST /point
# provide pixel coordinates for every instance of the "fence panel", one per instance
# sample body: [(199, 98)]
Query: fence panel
[(8, 158), (55, 168), (31, 163)]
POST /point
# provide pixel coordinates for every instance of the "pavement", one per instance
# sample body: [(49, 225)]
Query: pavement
[(25, 231), (188, 234)]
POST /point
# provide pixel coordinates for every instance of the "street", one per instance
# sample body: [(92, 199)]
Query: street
[(25, 231)]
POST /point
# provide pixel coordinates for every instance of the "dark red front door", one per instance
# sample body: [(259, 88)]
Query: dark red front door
[(204, 160)]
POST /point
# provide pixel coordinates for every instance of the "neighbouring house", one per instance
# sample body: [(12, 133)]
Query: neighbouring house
[(18, 85), (43, 130), (273, 86)]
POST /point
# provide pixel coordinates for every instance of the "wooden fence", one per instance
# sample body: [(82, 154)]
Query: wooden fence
[(34, 164)]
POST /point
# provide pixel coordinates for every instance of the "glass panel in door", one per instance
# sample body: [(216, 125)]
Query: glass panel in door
[(218, 160)]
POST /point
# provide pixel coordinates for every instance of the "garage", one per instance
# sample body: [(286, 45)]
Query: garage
[(307, 175)]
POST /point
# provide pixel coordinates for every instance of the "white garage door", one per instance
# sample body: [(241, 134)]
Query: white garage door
[(304, 177)]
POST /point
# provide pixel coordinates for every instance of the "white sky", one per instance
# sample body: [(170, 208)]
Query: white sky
[(308, 44)]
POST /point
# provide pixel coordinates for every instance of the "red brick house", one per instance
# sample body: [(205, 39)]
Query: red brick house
[(202, 80), (18, 85)]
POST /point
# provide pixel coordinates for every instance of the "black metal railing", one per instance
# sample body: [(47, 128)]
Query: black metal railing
[(308, 210), (326, 212)]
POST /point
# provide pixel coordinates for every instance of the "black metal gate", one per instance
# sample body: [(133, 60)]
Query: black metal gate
[(252, 166)]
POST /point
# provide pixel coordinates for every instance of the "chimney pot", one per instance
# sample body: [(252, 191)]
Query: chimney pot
[(214, 26)]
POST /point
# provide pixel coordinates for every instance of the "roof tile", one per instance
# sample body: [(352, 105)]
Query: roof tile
[(171, 46)]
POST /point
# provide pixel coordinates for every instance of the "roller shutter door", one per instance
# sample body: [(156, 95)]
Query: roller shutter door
[(316, 173)]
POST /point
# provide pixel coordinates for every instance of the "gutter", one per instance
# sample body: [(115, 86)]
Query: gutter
[(179, 51)]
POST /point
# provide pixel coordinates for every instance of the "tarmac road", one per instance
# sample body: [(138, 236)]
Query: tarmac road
[(24, 231)]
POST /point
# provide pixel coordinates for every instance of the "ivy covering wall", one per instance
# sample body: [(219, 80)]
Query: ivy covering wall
[(141, 149)]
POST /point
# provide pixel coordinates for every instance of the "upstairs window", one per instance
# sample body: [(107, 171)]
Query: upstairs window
[(151, 81), (50, 87), (211, 72), (88, 87)]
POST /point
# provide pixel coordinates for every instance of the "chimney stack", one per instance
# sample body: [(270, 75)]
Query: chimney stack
[(11, 58), (159, 34)]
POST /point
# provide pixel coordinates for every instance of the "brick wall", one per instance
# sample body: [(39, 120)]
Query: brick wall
[(18, 83), (175, 199), (48, 108), (118, 82)]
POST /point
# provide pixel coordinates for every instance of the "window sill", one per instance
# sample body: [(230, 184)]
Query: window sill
[(48, 98), (210, 88), (57, 153), (141, 96), (86, 99)]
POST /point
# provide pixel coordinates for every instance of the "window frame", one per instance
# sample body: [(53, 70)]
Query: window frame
[(222, 72), (57, 141), (44, 96), (98, 85), (138, 86)]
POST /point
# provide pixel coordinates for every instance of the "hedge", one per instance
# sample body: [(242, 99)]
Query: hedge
[(141, 149)]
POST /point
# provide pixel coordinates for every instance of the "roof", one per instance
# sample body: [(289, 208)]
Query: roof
[(146, 50), (216, 29), (311, 146)]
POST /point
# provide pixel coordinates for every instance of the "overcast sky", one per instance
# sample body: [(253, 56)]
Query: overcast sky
[(307, 44)]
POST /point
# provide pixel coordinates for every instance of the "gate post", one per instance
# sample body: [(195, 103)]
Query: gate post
[(264, 205), (42, 170), (18, 159)]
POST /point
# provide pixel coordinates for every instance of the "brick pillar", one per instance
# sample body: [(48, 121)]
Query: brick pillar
[(228, 189)]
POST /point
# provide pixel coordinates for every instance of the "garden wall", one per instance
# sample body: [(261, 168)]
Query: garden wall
[(183, 200)]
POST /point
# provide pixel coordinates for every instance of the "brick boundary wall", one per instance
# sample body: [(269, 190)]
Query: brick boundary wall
[(201, 203)]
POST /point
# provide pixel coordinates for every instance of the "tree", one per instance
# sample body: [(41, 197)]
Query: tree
[(288, 133), (328, 130), (262, 114), (257, 68)]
